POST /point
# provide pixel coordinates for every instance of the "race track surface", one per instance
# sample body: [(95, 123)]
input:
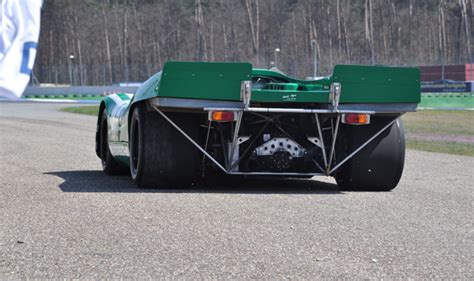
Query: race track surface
[(61, 217)]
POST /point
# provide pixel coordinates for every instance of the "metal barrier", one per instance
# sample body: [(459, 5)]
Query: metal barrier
[(83, 91)]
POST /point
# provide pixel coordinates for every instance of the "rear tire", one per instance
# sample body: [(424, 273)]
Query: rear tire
[(109, 165), (377, 167), (160, 156)]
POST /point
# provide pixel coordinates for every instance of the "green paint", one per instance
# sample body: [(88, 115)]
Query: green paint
[(321, 96), (222, 81), (123, 96), (200, 80), (147, 89), (377, 84), (319, 83)]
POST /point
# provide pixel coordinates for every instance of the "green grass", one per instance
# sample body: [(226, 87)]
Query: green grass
[(442, 147), (439, 124), (89, 110), (447, 100)]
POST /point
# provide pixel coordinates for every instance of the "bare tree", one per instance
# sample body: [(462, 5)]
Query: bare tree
[(114, 40)]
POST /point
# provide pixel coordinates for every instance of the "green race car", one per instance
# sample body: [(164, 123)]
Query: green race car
[(206, 120)]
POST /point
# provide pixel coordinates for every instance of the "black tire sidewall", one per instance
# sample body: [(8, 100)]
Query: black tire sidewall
[(378, 166), (136, 138)]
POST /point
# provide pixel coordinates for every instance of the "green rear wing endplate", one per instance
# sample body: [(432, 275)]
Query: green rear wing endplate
[(203, 80), (377, 84)]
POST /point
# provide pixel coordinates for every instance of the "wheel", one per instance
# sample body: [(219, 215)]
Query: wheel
[(377, 167), (109, 165), (160, 156)]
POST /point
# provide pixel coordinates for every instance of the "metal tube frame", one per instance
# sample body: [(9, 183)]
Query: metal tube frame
[(328, 171), (321, 138), (333, 145), (234, 139)]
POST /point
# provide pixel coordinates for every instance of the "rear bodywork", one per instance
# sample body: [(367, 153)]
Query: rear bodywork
[(268, 106)]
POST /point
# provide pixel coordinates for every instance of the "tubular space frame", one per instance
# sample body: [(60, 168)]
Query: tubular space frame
[(329, 170)]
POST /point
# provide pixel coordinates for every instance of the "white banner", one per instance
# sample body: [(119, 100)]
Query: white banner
[(19, 31)]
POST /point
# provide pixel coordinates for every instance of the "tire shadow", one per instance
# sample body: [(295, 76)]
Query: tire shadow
[(97, 181)]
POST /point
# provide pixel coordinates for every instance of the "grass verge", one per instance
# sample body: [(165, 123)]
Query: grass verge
[(440, 122), (442, 147), (89, 110), (447, 100), (432, 126)]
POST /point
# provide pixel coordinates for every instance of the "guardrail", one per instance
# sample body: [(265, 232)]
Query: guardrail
[(75, 91), (447, 86)]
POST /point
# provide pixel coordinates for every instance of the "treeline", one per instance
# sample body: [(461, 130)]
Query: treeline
[(92, 42)]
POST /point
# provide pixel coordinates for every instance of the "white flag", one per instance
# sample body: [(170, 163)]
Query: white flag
[(19, 31)]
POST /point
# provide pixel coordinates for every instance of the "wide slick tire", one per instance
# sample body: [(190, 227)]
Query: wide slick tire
[(160, 156), (110, 166), (379, 165)]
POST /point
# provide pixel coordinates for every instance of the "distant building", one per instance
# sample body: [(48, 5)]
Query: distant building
[(459, 72)]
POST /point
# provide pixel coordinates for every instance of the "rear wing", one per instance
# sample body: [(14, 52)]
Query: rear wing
[(201, 80), (377, 84), (200, 84)]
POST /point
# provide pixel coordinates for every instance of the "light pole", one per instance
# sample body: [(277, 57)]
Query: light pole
[(277, 50), (71, 77), (315, 57)]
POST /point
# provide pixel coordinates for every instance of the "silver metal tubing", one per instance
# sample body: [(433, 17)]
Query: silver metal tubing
[(362, 146), (190, 139), (332, 132), (205, 145), (333, 145), (304, 110), (321, 138), (209, 105), (222, 109), (275, 174), (285, 110), (236, 135), (250, 145), (317, 164)]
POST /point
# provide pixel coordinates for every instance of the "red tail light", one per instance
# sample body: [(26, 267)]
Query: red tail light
[(356, 119), (221, 116)]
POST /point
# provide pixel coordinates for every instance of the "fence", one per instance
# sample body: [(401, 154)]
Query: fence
[(80, 91)]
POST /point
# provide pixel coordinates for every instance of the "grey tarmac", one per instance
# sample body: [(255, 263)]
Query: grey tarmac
[(61, 217)]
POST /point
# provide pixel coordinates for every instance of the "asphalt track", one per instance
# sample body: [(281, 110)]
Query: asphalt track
[(61, 217)]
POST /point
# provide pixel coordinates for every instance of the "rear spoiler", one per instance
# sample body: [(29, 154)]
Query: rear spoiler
[(203, 80), (377, 84)]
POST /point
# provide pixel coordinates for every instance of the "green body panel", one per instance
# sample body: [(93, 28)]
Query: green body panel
[(321, 96), (115, 103), (360, 84), (323, 81), (198, 80), (377, 84), (148, 89), (221, 81)]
